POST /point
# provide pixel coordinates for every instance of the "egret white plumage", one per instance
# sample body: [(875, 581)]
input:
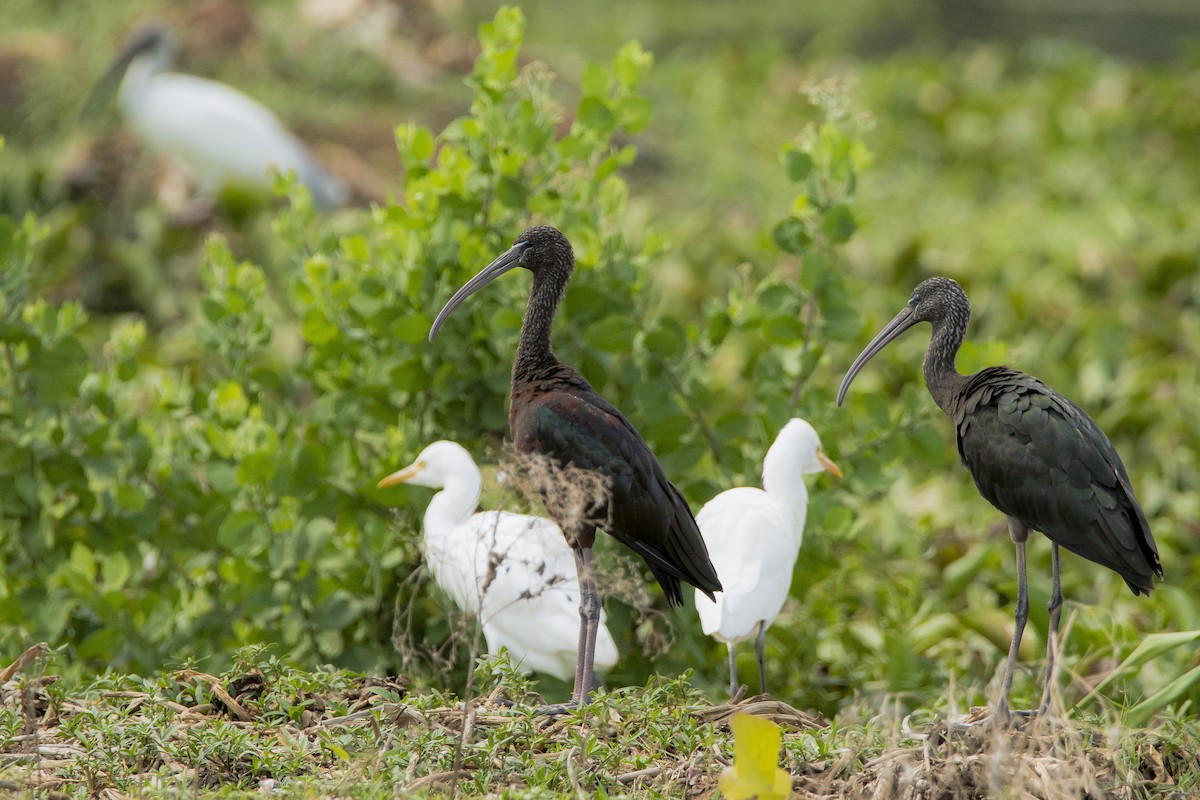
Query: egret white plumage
[(515, 572), (753, 537), (221, 136)]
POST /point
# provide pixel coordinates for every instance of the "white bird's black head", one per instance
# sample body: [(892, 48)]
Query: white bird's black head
[(542, 250), (147, 38), (153, 42), (152, 46)]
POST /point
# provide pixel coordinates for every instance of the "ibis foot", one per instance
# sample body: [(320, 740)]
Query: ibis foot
[(556, 709), (542, 709), (985, 718)]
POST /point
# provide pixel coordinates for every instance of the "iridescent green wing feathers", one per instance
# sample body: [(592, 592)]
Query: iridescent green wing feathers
[(1037, 456), (574, 425)]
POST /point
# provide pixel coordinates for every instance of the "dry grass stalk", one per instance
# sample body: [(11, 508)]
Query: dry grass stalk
[(572, 497)]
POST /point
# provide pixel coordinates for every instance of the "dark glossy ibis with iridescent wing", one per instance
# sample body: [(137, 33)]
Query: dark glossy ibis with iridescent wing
[(1034, 455), (557, 414)]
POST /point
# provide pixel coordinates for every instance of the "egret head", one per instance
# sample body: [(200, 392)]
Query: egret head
[(437, 464), (542, 250), (797, 448)]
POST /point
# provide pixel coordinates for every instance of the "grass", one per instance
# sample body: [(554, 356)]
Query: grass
[(264, 726)]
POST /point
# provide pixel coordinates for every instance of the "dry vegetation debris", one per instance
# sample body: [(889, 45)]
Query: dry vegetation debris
[(260, 728)]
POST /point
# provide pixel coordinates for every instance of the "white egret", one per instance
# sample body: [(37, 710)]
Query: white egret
[(515, 572), (219, 135), (753, 537)]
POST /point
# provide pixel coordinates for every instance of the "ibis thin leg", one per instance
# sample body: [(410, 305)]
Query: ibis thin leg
[(760, 645), (589, 625), (1019, 534), (1055, 608)]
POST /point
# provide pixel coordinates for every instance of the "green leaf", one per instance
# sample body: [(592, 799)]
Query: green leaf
[(783, 329), (718, 328), (235, 531), (975, 354), (512, 192), (610, 335), (229, 400), (634, 113), (115, 570), (594, 80), (666, 339), (130, 497), (1153, 646), (338, 610), (1172, 692), (799, 165), (411, 328), (631, 63), (58, 372), (416, 142), (355, 248), (839, 224), (791, 235), (595, 114), (316, 327)]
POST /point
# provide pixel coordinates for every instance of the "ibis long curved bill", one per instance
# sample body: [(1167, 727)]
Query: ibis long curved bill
[(511, 258), (899, 324)]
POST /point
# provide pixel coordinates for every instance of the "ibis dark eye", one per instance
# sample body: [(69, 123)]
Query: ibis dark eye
[(914, 300)]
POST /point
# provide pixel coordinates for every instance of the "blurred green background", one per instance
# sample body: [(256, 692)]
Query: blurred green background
[(187, 466)]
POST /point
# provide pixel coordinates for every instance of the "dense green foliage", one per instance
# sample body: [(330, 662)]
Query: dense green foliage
[(179, 484)]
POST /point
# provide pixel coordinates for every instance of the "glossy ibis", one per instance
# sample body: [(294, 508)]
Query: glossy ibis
[(514, 572), (1034, 455), (555, 414), (220, 135), (754, 536)]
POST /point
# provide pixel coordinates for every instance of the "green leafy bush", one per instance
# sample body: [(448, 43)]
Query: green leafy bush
[(175, 502)]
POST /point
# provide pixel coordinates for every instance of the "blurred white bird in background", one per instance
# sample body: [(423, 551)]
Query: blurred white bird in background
[(753, 538), (515, 572), (219, 135)]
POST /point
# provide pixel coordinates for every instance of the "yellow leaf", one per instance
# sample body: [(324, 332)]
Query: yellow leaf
[(755, 772)]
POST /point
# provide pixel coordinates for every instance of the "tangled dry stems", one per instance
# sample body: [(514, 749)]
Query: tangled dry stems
[(61, 746)]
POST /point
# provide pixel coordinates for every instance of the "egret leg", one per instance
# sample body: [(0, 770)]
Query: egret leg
[(733, 684), (1055, 608), (589, 625), (760, 645), (1019, 534)]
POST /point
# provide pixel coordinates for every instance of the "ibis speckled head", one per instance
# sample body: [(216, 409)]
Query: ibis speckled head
[(542, 250), (935, 300)]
